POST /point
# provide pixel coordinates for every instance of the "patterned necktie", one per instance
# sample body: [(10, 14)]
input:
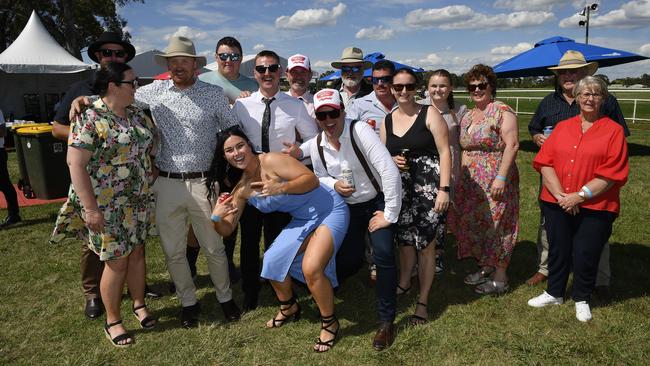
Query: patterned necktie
[(266, 123)]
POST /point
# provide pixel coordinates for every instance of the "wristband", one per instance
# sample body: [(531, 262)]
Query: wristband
[(215, 218), (501, 177), (588, 191)]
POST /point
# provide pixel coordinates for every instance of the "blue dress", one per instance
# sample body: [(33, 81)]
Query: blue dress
[(321, 206)]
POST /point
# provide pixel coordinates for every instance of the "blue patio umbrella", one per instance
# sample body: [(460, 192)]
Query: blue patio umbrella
[(373, 57), (548, 52)]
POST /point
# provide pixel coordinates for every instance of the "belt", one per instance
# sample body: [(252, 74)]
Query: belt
[(183, 175)]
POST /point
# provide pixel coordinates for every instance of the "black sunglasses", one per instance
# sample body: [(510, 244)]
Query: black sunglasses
[(383, 79), (232, 56), (108, 53), (262, 69), (334, 113), (134, 83), (481, 86), (350, 68), (400, 87)]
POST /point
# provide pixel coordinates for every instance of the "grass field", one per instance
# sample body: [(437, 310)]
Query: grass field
[(41, 321)]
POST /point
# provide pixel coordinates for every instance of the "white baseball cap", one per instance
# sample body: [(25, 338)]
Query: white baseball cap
[(327, 97), (298, 60)]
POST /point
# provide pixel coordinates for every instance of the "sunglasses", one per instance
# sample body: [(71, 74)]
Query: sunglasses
[(382, 80), (262, 69), (334, 113), (400, 87), (108, 53), (350, 68), (134, 83), (234, 57), (473, 87), (567, 71)]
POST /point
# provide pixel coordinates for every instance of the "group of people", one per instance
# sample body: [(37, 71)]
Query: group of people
[(327, 177)]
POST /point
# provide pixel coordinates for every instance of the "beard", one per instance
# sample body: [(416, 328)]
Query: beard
[(351, 83)]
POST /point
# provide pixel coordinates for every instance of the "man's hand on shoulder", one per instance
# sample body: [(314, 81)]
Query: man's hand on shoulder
[(78, 105)]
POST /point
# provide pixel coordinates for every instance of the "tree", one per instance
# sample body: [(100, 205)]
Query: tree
[(73, 23)]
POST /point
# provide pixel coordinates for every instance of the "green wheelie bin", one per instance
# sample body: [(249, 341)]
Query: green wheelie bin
[(23, 181)]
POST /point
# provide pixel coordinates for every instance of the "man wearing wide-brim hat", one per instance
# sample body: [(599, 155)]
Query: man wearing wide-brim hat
[(352, 66), (554, 108)]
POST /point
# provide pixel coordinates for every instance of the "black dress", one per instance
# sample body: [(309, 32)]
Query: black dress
[(418, 224)]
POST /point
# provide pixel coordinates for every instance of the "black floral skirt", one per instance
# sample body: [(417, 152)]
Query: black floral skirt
[(418, 225)]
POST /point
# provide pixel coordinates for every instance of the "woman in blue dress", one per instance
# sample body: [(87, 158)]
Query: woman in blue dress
[(306, 248)]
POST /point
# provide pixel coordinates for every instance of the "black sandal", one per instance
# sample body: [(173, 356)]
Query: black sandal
[(401, 290), (124, 336), (326, 323), (416, 320), (149, 321), (277, 323)]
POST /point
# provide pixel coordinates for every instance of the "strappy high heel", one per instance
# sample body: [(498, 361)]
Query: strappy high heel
[(326, 323), (416, 320), (149, 321), (288, 305), (118, 338)]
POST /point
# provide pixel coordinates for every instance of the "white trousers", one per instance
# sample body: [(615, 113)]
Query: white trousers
[(179, 203)]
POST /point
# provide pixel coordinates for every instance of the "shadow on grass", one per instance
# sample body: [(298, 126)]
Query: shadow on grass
[(528, 146), (629, 268), (638, 149)]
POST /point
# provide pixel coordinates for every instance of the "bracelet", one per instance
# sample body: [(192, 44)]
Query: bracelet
[(501, 177), (588, 191), (215, 218)]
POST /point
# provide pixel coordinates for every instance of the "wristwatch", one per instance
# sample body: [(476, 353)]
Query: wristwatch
[(583, 194), (444, 189)]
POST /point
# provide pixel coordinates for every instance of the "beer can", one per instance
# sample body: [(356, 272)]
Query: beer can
[(548, 130), (372, 123), (223, 196), (405, 154), (346, 177)]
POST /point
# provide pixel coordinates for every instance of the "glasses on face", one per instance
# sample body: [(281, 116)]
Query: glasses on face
[(567, 71), (591, 95), (382, 79), (234, 57), (350, 68), (134, 83), (333, 114), (107, 52), (400, 87), (473, 87), (262, 69)]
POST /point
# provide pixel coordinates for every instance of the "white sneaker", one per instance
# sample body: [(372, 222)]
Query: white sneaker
[(583, 313), (545, 299)]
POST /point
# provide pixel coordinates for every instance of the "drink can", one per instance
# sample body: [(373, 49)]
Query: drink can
[(404, 153), (372, 123), (347, 178), (224, 196), (548, 130)]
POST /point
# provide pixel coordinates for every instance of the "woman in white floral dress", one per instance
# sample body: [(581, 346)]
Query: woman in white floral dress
[(110, 205)]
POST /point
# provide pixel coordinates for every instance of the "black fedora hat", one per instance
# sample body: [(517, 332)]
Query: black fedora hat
[(110, 37)]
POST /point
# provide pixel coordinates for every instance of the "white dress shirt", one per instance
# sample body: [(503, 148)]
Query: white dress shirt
[(369, 107), (288, 114), (308, 99), (379, 160)]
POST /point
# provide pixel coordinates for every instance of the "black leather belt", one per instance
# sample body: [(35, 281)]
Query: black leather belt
[(183, 176)]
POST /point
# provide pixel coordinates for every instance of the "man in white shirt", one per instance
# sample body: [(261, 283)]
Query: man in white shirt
[(374, 107), (374, 198), (299, 75), (5, 183), (270, 119)]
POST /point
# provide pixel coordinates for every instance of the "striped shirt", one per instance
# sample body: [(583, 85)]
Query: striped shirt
[(554, 108)]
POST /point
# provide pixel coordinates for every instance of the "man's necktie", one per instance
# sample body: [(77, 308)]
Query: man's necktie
[(266, 123)]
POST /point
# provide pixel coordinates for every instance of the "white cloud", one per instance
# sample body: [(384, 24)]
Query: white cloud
[(511, 50), (197, 11), (528, 4), (310, 17), (258, 47), (184, 31), (375, 33), (645, 49), (633, 14), (463, 17)]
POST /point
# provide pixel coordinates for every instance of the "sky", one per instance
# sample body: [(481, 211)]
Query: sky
[(431, 34)]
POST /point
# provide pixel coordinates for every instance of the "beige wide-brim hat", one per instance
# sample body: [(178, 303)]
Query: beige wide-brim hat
[(575, 60), (180, 46), (351, 55)]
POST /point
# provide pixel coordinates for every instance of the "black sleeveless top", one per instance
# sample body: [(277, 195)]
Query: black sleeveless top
[(418, 139)]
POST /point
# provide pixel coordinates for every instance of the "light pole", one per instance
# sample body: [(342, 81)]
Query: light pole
[(585, 23)]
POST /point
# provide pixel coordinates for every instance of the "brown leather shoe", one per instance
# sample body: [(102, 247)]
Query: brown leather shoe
[(384, 337), (537, 278)]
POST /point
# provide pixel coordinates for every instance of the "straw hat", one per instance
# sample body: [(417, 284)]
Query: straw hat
[(180, 46), (351, 55), (575, 60)]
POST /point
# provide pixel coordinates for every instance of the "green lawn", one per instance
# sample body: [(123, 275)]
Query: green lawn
[(41, 321)]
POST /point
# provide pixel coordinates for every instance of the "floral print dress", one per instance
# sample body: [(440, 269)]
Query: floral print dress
[(484, 228), (120, 170)]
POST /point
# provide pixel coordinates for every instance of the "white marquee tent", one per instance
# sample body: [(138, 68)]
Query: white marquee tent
[(35, 72)]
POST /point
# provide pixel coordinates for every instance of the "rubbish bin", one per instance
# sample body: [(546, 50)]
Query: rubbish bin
[(23, 181), (45, 161)]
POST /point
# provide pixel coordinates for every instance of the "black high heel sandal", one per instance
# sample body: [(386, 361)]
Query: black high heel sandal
[(289, 304), (149, 321), (416, 320), (326, 323), (118, 338)]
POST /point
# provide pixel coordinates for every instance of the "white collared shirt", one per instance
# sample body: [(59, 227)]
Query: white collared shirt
[(379, 160), (288, 114), (369, 107), (308, 99)]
